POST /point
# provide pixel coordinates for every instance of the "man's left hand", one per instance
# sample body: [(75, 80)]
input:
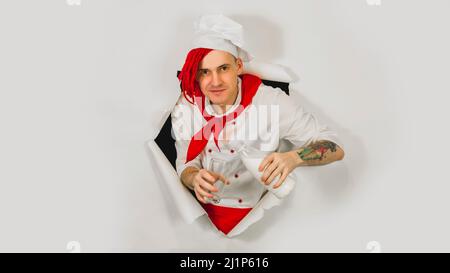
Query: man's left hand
[(276, 164)]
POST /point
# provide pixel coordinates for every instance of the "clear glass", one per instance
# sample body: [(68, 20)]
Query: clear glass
[(218, 166)]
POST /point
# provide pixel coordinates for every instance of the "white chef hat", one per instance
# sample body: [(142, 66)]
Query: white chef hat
[(219, 32)]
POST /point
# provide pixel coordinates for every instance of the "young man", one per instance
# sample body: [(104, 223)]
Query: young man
[(215, 115)]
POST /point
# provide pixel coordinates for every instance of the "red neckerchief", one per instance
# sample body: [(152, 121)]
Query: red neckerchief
[(249, 87)]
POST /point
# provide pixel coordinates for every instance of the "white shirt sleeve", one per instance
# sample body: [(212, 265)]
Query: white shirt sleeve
[(300, 127), (182, 128)]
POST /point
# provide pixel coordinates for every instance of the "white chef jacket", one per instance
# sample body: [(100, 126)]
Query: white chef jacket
[(271, 116)]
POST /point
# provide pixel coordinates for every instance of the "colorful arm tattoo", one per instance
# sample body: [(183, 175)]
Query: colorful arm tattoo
[(316, 150)]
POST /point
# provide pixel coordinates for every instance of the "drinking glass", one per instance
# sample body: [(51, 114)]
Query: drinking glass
[(218, 166)]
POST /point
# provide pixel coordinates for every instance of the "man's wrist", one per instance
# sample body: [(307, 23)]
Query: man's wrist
[(188, 177), (297, 159), (191, 178)]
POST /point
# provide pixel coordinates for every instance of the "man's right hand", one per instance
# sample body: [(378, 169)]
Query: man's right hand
[(203, 184)]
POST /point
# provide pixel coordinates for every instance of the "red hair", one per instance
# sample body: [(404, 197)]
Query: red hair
[(188, 83)]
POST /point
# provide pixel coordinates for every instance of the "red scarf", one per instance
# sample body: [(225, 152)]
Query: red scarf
[(214, 125)]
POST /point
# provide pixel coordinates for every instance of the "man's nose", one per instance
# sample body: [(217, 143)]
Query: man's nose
[(216, 80)]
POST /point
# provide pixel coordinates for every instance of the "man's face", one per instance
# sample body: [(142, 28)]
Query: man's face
[(217, 77)]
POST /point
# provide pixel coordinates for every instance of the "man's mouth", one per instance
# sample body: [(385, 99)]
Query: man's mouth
[(217, 90)]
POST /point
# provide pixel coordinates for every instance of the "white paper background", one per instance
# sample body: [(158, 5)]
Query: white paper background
[(83, 88)]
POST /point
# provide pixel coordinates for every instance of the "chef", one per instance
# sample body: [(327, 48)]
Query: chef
[(221, 109)]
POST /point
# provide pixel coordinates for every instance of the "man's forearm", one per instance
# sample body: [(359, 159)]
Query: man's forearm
[(321, 152), (187, 176)]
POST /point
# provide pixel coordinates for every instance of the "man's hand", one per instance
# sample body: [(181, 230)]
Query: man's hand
[(317, 153), (203, 184), (276, 164)]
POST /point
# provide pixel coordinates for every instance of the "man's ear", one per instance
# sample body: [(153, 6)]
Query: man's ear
[(240, 66)]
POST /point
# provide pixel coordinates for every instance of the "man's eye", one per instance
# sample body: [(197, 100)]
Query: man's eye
[(224, 68)]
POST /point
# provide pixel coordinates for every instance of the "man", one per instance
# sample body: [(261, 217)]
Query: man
[(215, 106)]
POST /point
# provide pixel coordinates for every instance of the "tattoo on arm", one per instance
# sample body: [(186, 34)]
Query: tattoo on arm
[(316, 150)]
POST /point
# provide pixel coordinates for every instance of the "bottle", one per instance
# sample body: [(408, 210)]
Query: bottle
[(252, 158)]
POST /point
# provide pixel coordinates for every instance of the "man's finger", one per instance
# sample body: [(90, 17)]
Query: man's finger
[(218, 176), (209, 177), (200, 198), (266, 160), (274, 174), (268, 172), (224, 179), (207, 186), (204, 193), (281, 180)]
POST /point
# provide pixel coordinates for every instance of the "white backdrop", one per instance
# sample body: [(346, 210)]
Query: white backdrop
[(83, 88)]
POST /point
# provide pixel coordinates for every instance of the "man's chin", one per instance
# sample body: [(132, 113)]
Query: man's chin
[(217, 101)]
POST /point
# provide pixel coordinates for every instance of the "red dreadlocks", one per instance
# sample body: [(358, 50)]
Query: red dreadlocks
[(189, 86)]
